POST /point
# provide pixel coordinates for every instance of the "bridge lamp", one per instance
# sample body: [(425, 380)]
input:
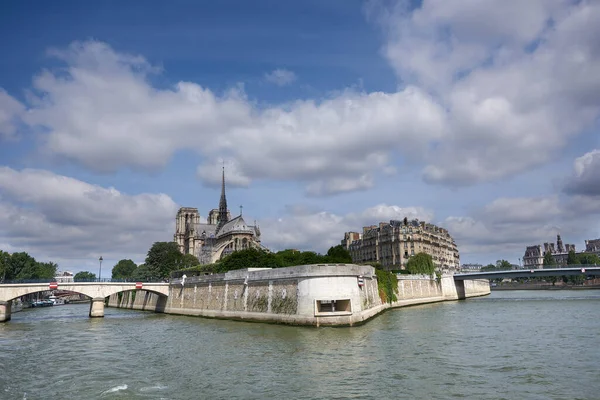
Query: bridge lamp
[(100, 271)]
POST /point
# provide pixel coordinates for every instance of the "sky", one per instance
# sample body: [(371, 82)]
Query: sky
[(481, 116)]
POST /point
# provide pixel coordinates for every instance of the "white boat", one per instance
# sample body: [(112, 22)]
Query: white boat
[(56, 301)]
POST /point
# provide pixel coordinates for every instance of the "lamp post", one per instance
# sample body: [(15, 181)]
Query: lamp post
[(100, 271)]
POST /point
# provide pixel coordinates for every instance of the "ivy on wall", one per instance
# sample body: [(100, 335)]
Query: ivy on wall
[(387, 283)]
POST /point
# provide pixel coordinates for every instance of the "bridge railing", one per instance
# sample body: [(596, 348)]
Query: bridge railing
[(59, 281)]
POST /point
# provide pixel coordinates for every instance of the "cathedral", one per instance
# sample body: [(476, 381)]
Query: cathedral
[(219, 236)]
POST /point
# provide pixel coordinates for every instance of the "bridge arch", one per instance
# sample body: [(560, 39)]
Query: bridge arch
[(97, 292)]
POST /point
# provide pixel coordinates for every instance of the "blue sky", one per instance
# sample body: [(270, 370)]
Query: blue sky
[(481, 117)]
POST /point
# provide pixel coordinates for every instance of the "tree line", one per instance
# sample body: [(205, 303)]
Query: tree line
[(257, 258), (22, 266), (573, 259)]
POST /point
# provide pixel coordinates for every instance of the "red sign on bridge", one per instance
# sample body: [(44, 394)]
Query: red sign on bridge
[(53, 285), (138, 285)]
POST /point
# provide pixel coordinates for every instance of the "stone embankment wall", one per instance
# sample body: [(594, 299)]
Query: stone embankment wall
[(138, 300), (305, 295)]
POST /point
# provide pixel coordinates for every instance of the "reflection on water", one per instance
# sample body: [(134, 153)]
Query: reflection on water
[(509, 345)]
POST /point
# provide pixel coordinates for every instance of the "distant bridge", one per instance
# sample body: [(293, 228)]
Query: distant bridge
[(570, 270), (97, 291)]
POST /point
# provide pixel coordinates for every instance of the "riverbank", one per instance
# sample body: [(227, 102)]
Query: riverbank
[(315, 295)]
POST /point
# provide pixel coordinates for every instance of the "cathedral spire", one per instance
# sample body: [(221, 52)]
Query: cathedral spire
[(222, 218)]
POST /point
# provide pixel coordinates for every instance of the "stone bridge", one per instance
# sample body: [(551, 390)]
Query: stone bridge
[(586, 270), (97, 291)]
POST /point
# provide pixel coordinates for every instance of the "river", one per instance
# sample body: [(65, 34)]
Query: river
[(509, 345)]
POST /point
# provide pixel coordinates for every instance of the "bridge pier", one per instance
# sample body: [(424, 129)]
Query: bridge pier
[(5, 310), (97, 307)]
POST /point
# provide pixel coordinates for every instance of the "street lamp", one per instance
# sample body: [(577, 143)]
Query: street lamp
[(100, 272)]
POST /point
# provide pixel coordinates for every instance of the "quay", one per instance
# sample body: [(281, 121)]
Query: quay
[(316, 295)]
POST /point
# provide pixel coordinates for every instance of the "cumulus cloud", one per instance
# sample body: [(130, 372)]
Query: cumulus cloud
[(10, 112), (101, 111), (508, 225), (306, 229), (72, 222), (211, 174), (281, 77), (585, 179), (517, 78)]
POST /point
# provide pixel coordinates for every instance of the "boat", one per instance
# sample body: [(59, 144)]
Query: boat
[(56, 301), (42, 303)]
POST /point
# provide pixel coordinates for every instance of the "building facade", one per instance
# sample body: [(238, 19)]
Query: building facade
[(219, 236), (592, 246), (392, 244), (534, 255), (471, 268)]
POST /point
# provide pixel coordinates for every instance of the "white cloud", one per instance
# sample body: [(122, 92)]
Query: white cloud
[(585, 179), (508, 225), (307, 229), (281, 77), (101, 112), (10, 112), (517, 78), (211, 174), (71, 222)]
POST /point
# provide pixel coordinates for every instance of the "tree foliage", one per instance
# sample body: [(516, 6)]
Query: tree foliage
[(338, 254), (257, 258), (549, 260), (488, 268), (503, 265), (22, 266), (84, 276), (164, 258), (588, 258), (572, 258), (421, 263), (143, 273), (123, 269)]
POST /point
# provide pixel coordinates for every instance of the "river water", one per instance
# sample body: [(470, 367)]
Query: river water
[(509, 345)]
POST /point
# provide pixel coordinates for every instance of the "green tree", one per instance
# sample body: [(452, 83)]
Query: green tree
[(84, 276), (21, 266), (162, 258), (488, 268), (44, 270), (577, 279), (310, 257), (189, 261), (503, 265), (588, 259), (338, 254), (421, 263), (549, 260), (572, 258), (123, 269), (144, 274), (4, 265), (248, 258), (289, 257)]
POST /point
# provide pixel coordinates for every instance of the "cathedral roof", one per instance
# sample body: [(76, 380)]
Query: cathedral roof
[(237, 225), (207, 229)]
